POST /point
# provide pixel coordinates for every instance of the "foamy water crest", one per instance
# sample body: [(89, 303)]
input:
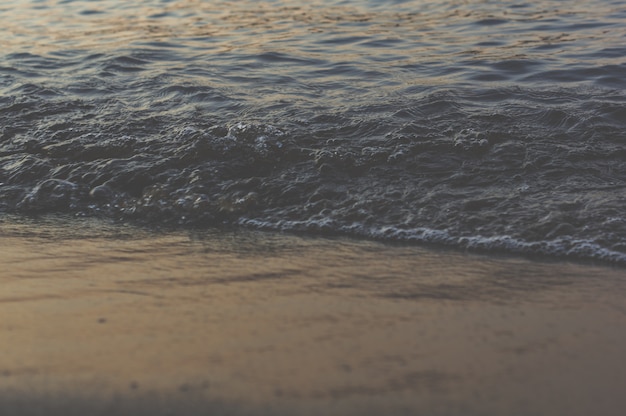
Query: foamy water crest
[(486, 125)]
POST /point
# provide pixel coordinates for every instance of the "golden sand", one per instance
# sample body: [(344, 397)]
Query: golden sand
[(114, 320)]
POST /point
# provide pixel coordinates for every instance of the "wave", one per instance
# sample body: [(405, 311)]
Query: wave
[(499, 129)]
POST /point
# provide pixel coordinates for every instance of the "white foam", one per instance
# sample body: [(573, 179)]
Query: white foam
[(560, 247)]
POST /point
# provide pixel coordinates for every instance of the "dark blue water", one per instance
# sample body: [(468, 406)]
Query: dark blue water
[(491, 125)]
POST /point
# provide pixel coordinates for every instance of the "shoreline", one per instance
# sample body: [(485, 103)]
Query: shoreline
[(100, 318)]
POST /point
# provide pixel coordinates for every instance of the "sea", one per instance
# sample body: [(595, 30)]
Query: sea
[(485, 125)]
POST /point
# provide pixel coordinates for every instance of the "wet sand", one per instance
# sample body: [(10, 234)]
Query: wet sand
[(105, 319)]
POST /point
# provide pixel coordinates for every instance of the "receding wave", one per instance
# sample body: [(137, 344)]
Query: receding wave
[(523, 179)]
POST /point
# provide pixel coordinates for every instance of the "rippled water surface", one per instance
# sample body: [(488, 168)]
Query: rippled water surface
[(495, 125)]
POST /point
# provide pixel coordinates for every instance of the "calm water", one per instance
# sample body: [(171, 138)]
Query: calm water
[(493, 125)]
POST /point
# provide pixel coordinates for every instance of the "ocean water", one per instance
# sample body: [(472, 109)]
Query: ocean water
[(476, 124)]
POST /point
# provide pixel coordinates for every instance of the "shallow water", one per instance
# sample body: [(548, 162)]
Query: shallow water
[(492, 125)]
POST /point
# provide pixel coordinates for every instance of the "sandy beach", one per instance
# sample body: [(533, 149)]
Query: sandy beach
[(102, 319)]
